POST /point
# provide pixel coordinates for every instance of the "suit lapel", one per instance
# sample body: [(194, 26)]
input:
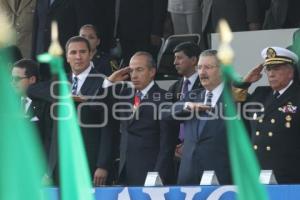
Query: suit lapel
[(199, 126), (179, 88), (12, 5), (91, 84), (202, 123), (196, 84), (23, 4), (147, 98)]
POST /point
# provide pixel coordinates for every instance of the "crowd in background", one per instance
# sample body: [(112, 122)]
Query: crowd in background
[(139, 25)]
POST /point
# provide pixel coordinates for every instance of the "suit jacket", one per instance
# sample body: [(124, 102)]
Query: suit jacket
[(97, 141), (140, 18), (238, 13), (282, 14), (205, 144), (21, 18), (275, 132), (146, 142), (38, 114), (176, 88)]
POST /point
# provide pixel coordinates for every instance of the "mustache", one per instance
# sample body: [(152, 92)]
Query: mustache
[(204, 77)]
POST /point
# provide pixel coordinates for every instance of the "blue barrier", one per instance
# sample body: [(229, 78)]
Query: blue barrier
[(276, 192)]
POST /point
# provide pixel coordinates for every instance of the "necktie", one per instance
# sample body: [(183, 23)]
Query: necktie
[(74, 85), (276, 95), (137, 99), (184, 91), (209, 96)]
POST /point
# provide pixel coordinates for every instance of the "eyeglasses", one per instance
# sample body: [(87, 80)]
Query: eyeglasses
[(17, 78), (205, 67)]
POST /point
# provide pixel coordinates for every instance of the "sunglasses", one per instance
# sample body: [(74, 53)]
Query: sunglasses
[(17, 78)]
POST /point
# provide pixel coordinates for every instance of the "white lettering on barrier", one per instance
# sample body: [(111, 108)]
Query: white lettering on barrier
[(216, 194), (156, 193), (190, 192), (124, 195)]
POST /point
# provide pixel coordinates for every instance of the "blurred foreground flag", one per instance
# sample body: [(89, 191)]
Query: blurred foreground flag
[(22, 165), (75, 180), (244, 165)]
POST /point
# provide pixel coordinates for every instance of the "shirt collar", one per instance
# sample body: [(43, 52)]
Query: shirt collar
[(284, 89), (146, 89), (82, 76), (216, 93), (192, 78)]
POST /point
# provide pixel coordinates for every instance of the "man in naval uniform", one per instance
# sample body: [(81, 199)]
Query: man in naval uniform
[(275, 129)]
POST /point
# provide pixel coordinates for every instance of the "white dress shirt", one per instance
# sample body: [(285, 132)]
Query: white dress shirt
[(192, 80), (216, 94), (81, 78)]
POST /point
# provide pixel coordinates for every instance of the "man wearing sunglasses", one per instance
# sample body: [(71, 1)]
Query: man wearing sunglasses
[(275, 128)]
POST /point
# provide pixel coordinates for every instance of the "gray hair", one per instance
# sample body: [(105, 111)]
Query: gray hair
[(210, 52), (151, 62)]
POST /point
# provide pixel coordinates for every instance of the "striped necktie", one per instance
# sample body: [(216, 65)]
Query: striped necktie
[(209, 96), (74, 85)]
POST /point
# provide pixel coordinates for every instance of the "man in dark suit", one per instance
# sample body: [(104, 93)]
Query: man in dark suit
[(186, 59), (275, 128), (140, 25), (86, 85), (146, 141), (281, 14), (86, 82), (205, 142), (25, 72)]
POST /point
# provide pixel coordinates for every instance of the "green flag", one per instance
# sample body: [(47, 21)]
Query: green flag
[(22, 166), (75, 181), (244, 165)]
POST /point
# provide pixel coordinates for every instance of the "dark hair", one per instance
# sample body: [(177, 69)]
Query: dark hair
[(91, 26), (151, 61), (78, 39), (31, 67), (189, 48)]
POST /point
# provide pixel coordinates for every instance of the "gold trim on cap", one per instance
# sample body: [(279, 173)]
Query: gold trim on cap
[(271, 53)]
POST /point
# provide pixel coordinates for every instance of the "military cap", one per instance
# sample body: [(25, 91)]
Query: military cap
[(278, 55)]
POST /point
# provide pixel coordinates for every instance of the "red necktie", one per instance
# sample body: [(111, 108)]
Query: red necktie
[(137, 99)]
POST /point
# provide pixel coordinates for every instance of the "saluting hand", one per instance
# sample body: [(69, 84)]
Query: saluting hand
[(119, 75), (254, 75)]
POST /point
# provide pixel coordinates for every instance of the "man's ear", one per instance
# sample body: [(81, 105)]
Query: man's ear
[(32, 79), (153, 72), (98, 42), (195, 60)]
